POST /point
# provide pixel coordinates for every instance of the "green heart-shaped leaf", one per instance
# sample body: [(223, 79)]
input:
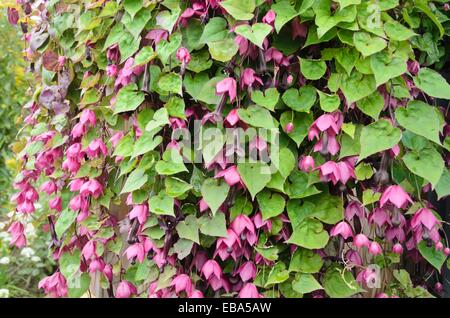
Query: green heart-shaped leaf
[(309, 234), (268, 99), (270, 204), (257, 116), (368, 44), (422, 119), (305, 283), (371, 105), (426, 163), (385, 67), (161, 204), (255, 33), (305, 261), (254, 175), (239, 9), (434, 257), (214, 193), (171, 163), (128, 99), (300, 100), (379, 136), (312, 69), (432, 83), (188, 229), (328, 103)]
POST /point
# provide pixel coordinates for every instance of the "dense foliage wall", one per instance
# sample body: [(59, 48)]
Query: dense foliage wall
[(131, 146)]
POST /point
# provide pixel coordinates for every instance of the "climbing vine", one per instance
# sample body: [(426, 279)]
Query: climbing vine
[(129, 146)]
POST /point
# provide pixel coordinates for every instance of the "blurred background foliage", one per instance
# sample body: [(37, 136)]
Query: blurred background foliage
[(13, 86), (20, 270)]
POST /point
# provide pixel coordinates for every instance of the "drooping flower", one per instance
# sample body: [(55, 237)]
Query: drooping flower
[(183, 56), (343, 229), (54, 285), (299, 30), (88, 118), (139, 211), (196, 294), (157, 35), (395, 233), (125, 289), (79, 130), (353, 257), (139, 250), (112, 70), (96, 148), (126, 73), (335, 172), (380, 217), (48, 187), (182, 282), (231, 175), (249, 291), (92, 187), (89, 250), (243, 226), (247, 271), (74, 151), (395, 195), (306, 163), (228, 246), (107, 271), (248, 78), (113, 53), (18, 239), (55, 203), (273, 54), (211, 269), (375, 248), (447, 251), (232, 117), (114, 140), (424, 217), (368, 276), (354, 208), (360, 240), (329, 125), (269, 18), (13, 16), (413, 67), (260, 223), (96, 265), (227, 85)]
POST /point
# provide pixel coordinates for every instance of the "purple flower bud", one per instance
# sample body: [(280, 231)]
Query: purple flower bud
[(447, 251), (290, 79), (413, 67), (397, 248), (375, 248), (289, 127), (306, 164)]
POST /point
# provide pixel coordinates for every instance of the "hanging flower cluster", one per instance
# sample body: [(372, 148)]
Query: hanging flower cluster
[(329, 192)]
